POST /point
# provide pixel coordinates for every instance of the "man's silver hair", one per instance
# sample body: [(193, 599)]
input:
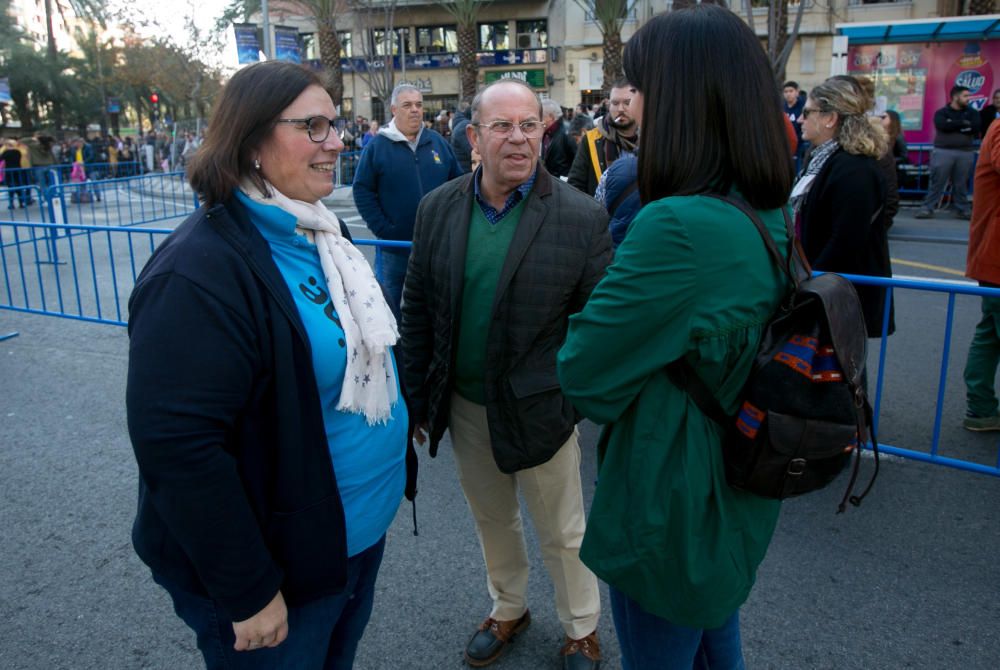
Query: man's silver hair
[(551, 108), (478, 100), (402, 88)]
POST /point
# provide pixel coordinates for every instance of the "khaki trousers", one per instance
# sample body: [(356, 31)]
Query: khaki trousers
[(554, 497)]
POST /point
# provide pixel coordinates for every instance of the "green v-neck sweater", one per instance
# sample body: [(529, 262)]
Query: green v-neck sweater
[(484, 258)]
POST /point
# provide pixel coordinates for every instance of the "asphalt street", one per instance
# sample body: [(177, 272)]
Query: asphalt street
[(909, 580)]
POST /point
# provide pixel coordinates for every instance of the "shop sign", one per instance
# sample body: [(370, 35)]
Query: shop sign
[(533, 78)]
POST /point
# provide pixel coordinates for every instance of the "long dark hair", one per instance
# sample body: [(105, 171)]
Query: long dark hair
[(242, 119), (711, 116)]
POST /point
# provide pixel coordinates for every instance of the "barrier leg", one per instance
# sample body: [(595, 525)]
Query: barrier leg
[(52, 236), (9, 335), (945, 351)]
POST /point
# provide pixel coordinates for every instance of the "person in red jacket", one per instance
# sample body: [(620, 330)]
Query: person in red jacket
[(983, 265)]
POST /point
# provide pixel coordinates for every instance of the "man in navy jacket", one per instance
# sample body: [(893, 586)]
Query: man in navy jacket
[(402, 164)]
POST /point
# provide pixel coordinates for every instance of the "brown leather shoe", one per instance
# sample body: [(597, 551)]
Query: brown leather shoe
[(492, 638), (582, 654)]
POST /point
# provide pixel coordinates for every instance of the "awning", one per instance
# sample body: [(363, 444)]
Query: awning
[(923, 30)]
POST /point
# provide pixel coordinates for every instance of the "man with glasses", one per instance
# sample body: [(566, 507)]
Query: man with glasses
[(404, 162), (501, 259)]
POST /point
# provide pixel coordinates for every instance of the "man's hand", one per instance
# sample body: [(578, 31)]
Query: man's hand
[(266, 628), (420, 433)]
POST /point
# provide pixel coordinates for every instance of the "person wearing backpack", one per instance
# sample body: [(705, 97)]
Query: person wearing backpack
[(678, 546), (840, 197)]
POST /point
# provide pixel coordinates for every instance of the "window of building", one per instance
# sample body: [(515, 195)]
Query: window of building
[(378, 110), (437, 39), (401, 39), (310, 45), (807, 55), (532, 34), (494, 36)]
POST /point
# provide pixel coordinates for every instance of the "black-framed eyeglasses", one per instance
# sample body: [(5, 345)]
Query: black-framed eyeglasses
[(530, 129), (807, 111), (318, 127)]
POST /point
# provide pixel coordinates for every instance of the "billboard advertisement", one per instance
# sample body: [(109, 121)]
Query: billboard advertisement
[(914, 79), (247, 44), (286, 44)]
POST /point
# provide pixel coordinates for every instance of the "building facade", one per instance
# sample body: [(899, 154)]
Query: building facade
[(555, 46)]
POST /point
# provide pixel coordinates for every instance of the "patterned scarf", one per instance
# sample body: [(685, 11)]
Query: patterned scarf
[(820, 155), (369, 386)]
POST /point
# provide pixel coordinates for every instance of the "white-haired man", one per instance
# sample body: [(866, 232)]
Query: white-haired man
[(397, 168)]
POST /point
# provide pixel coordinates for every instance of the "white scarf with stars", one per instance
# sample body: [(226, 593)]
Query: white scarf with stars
[(369, 326)]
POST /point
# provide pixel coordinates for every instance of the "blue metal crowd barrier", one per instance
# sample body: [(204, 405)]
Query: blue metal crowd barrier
[(347, 166), (24, 203), (91, 284), (952, 289), (14, 177), (127, 201), (101, 264)]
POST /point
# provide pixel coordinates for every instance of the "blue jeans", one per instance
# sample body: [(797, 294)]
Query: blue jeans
[(322, 634), (650, 643), (390, 269)]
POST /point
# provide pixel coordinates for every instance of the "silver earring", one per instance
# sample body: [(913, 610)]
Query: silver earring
[(256, 162)]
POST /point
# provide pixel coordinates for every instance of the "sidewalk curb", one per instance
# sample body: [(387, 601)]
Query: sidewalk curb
[(905, 237)]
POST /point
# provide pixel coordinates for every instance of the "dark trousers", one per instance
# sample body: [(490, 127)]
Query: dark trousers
[(984, 357), (956, 165), (648, 641), (322, 634)]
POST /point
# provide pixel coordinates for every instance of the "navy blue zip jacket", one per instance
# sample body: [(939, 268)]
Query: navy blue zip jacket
[(392, 178), (237, 494)]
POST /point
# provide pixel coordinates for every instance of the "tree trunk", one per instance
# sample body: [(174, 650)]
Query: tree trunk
[(52, 54), (612, 58), (777, 37), (23, 109), (468, 63), (138, 112), (329, 55)]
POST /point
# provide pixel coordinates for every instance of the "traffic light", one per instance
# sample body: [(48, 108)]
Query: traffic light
[(154, 101)]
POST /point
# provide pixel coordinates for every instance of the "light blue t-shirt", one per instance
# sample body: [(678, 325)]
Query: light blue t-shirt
[(368, 461)]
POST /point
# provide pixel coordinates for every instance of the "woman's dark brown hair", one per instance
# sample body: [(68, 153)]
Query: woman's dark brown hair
[(243, 117), (711, 115)]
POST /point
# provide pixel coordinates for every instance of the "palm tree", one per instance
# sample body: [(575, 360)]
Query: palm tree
[(89, 10), (609, 15), (466, 15)]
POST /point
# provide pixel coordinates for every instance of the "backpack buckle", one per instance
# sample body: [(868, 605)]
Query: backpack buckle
[(796, 467)]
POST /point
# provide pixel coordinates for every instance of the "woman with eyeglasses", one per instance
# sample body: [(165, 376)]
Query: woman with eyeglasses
[(263, 401), (840, 197), (678, 547)]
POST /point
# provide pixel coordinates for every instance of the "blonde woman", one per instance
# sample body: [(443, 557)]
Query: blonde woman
[(840, 198)]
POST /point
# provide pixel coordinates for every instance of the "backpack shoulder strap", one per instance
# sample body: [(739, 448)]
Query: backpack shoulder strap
[(782, 262), (622, 197), (683, 375)]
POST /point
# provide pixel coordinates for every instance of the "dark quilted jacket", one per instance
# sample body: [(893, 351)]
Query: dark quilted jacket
[(559, 252)]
